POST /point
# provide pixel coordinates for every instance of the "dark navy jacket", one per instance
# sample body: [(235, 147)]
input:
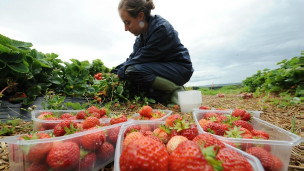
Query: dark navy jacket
[(161, 44)]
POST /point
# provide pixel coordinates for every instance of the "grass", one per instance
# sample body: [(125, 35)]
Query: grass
[(233, 89)]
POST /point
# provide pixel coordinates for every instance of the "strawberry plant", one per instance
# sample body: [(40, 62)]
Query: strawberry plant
[(287, 78)]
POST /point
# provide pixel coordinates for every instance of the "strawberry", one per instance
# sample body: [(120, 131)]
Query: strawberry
[(188, 157), (260, 134), (37, 167), (208, 140), (243, 124), (106, 152), (81, 115), (172, 119), (174, 142), (44, 115), (65, 127), (190, 132), (37, 152), (144, 154), (154, 137), (208, 115), (214, 128), (173, 132), (161, 134), (93, 140), (243, 114), (238, 132), (133, 128), (233, 161), (278, 164), (90, 122), (93, 109), (132, 137), (103, 111), (203, 122), (64, 156), (118, 119), (146, 111), (204, 108), (264, 156), (67, 116), (87, 162), (49, 125), (112, 135)]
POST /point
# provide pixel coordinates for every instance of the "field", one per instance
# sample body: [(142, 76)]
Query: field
[(288, 118)]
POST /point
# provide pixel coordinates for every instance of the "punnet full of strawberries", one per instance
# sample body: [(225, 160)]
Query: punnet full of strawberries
[(177, 145), (238, 125), (93, 145), (50, 119)]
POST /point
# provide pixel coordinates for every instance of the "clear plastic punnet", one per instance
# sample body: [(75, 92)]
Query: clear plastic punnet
[(255, 163), (42, 124), (79, 151), (253, 113), (279, 144)]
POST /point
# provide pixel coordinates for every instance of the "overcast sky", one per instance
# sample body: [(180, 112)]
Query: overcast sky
[(227, 40)]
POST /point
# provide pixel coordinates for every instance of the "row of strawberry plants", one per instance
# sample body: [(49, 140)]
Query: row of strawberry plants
[(27, 73), (285, 79)]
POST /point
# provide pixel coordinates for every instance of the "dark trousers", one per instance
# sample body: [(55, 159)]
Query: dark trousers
[(144, 74)]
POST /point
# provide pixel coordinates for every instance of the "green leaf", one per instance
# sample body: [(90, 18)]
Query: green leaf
[(55, 79), (34, 91), (2, 65), (18, 67)]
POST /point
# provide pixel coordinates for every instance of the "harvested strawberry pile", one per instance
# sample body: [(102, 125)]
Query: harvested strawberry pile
[(282, 117)]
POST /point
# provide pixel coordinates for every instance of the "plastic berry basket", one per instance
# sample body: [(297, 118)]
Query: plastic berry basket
[(280, 141), (254, 113), (255, 163), (42, 125), (19, 150)]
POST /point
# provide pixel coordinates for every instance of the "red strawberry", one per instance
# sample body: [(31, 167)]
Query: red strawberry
[(243, 124), (208, 140), (214, 128), (260, 134), (204, 108), (50, 124), (112, 135), (161, 134), (173, 132), (188, 157), (106, 152), (146, 111), (209, 115), (93, 109), (87, 162), (190, 133), (93, 140), (153, 156), (64, 126), (37, 167), (81, 115), (44, 115), (90, 122), (243, 114), (233, 161), (103, 111), (37, 152), (64, 156), (278, 164), (154, 137), (203, 122), (67, 116), (172, 119), (118, 119), (264, 156), (174, 142), (238, 132), (132, 137), (132, 128)]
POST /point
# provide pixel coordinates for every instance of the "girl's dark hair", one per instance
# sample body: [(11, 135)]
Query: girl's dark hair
[(134, 7)]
